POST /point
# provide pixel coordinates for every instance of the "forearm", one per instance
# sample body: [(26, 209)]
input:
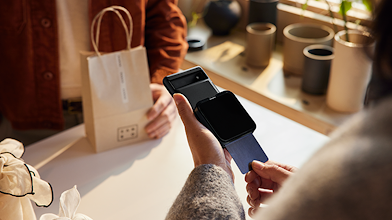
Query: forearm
[(207, 194), (165, 34)]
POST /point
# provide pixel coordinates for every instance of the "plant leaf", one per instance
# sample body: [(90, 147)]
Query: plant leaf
[(345, 6), (305, 5), (368, 4)]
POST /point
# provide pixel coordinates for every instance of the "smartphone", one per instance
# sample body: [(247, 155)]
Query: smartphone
[(193, 83)]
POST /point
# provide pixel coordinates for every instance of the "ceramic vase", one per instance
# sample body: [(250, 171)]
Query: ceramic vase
[(264, 11), (296, 38), (317, 67), (222, 15), (260, 41), (350, 71)]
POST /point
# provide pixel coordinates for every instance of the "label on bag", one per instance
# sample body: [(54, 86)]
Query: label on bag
[(124, 92)]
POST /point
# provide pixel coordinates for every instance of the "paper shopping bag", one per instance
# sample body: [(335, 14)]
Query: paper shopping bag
[(115, 91)]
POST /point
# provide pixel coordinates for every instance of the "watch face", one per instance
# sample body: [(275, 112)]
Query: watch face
[(226, 116)]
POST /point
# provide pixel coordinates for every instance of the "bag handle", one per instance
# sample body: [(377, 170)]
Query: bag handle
[(98, 18)]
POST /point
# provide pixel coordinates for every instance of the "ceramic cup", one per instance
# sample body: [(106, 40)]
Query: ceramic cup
[(263, 11), (316, 69), (350, 71), (296, 38), (260, 40)]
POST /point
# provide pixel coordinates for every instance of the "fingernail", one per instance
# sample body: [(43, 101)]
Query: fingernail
[(151, 135), (249, 194), (176, 98), (257, 165), (252, 211)]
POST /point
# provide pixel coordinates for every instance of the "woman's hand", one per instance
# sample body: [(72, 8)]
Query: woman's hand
[(162, 114), (264, 180), (205, 148)]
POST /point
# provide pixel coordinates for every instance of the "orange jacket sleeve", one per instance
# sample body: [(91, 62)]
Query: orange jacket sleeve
[(165, 33)]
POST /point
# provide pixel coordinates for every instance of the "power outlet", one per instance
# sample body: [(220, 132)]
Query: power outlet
[(128, 132)]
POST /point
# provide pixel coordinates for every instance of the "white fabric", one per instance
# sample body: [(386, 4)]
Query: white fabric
[(19, 182), (69, 203), (73, 32)]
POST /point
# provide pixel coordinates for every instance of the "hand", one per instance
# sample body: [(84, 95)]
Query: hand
[(162, 113), (264, 180), (205, 148)]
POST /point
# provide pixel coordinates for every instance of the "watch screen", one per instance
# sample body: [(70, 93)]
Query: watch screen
[(226, 116)]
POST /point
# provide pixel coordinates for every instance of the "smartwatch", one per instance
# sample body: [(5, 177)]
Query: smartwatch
[(221, 113), (231, 124)]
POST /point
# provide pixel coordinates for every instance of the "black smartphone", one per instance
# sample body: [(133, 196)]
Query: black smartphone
[(193, 83), (221, 113)]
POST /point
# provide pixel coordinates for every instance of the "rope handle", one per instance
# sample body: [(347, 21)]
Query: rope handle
[(98, 18)]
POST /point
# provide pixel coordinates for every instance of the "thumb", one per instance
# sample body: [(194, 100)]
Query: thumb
[(273, 172), (184, 110)]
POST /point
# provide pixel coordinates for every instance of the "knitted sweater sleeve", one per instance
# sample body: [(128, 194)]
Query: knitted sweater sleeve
[(207, 194)]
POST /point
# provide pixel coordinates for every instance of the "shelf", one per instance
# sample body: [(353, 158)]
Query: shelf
[(223, 60)]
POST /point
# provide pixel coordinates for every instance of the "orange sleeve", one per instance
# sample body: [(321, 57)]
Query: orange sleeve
[(165, 34)]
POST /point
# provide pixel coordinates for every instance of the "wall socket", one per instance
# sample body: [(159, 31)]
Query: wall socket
[(128, 132)]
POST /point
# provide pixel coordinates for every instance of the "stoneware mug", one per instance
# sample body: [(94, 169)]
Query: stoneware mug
[(260, 40), (296, 38), (317, 65)]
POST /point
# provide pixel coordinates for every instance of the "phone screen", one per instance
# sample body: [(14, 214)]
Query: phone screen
[(226, 116)]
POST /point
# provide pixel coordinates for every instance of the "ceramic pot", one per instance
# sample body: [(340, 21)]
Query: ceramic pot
[(317, 66), (296, 38), (264, 11), (221, 16), (260, 41), (350, 71)]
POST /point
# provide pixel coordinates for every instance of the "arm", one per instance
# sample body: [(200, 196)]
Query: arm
[(209, 192), (165, 33)]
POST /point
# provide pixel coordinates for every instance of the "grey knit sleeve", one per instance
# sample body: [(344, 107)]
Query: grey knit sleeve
[(207, 194)]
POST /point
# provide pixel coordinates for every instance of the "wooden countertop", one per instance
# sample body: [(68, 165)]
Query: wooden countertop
[(223, 60)]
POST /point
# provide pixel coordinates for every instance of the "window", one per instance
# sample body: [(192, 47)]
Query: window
[(358, 13)]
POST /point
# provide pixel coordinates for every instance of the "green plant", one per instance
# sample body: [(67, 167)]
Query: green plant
[(195, 17), (345, 6)]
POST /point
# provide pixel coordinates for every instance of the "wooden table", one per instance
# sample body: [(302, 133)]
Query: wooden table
[(141, 181), (224, 61)]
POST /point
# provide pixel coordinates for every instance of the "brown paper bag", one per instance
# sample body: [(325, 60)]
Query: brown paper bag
[(115, 91)]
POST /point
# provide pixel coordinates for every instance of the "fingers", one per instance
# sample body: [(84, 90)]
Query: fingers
[(272, 172), (228, 163), (162, 124), (185, 111), (228, 156), (253, 188), (259, 197), (254, 180), (162, 113), (205, 148), (284, 166), (159, 132), (161, 98), (264, 180), (252, 212)]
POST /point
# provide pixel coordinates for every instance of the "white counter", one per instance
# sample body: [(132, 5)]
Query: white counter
[(141, 181)]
